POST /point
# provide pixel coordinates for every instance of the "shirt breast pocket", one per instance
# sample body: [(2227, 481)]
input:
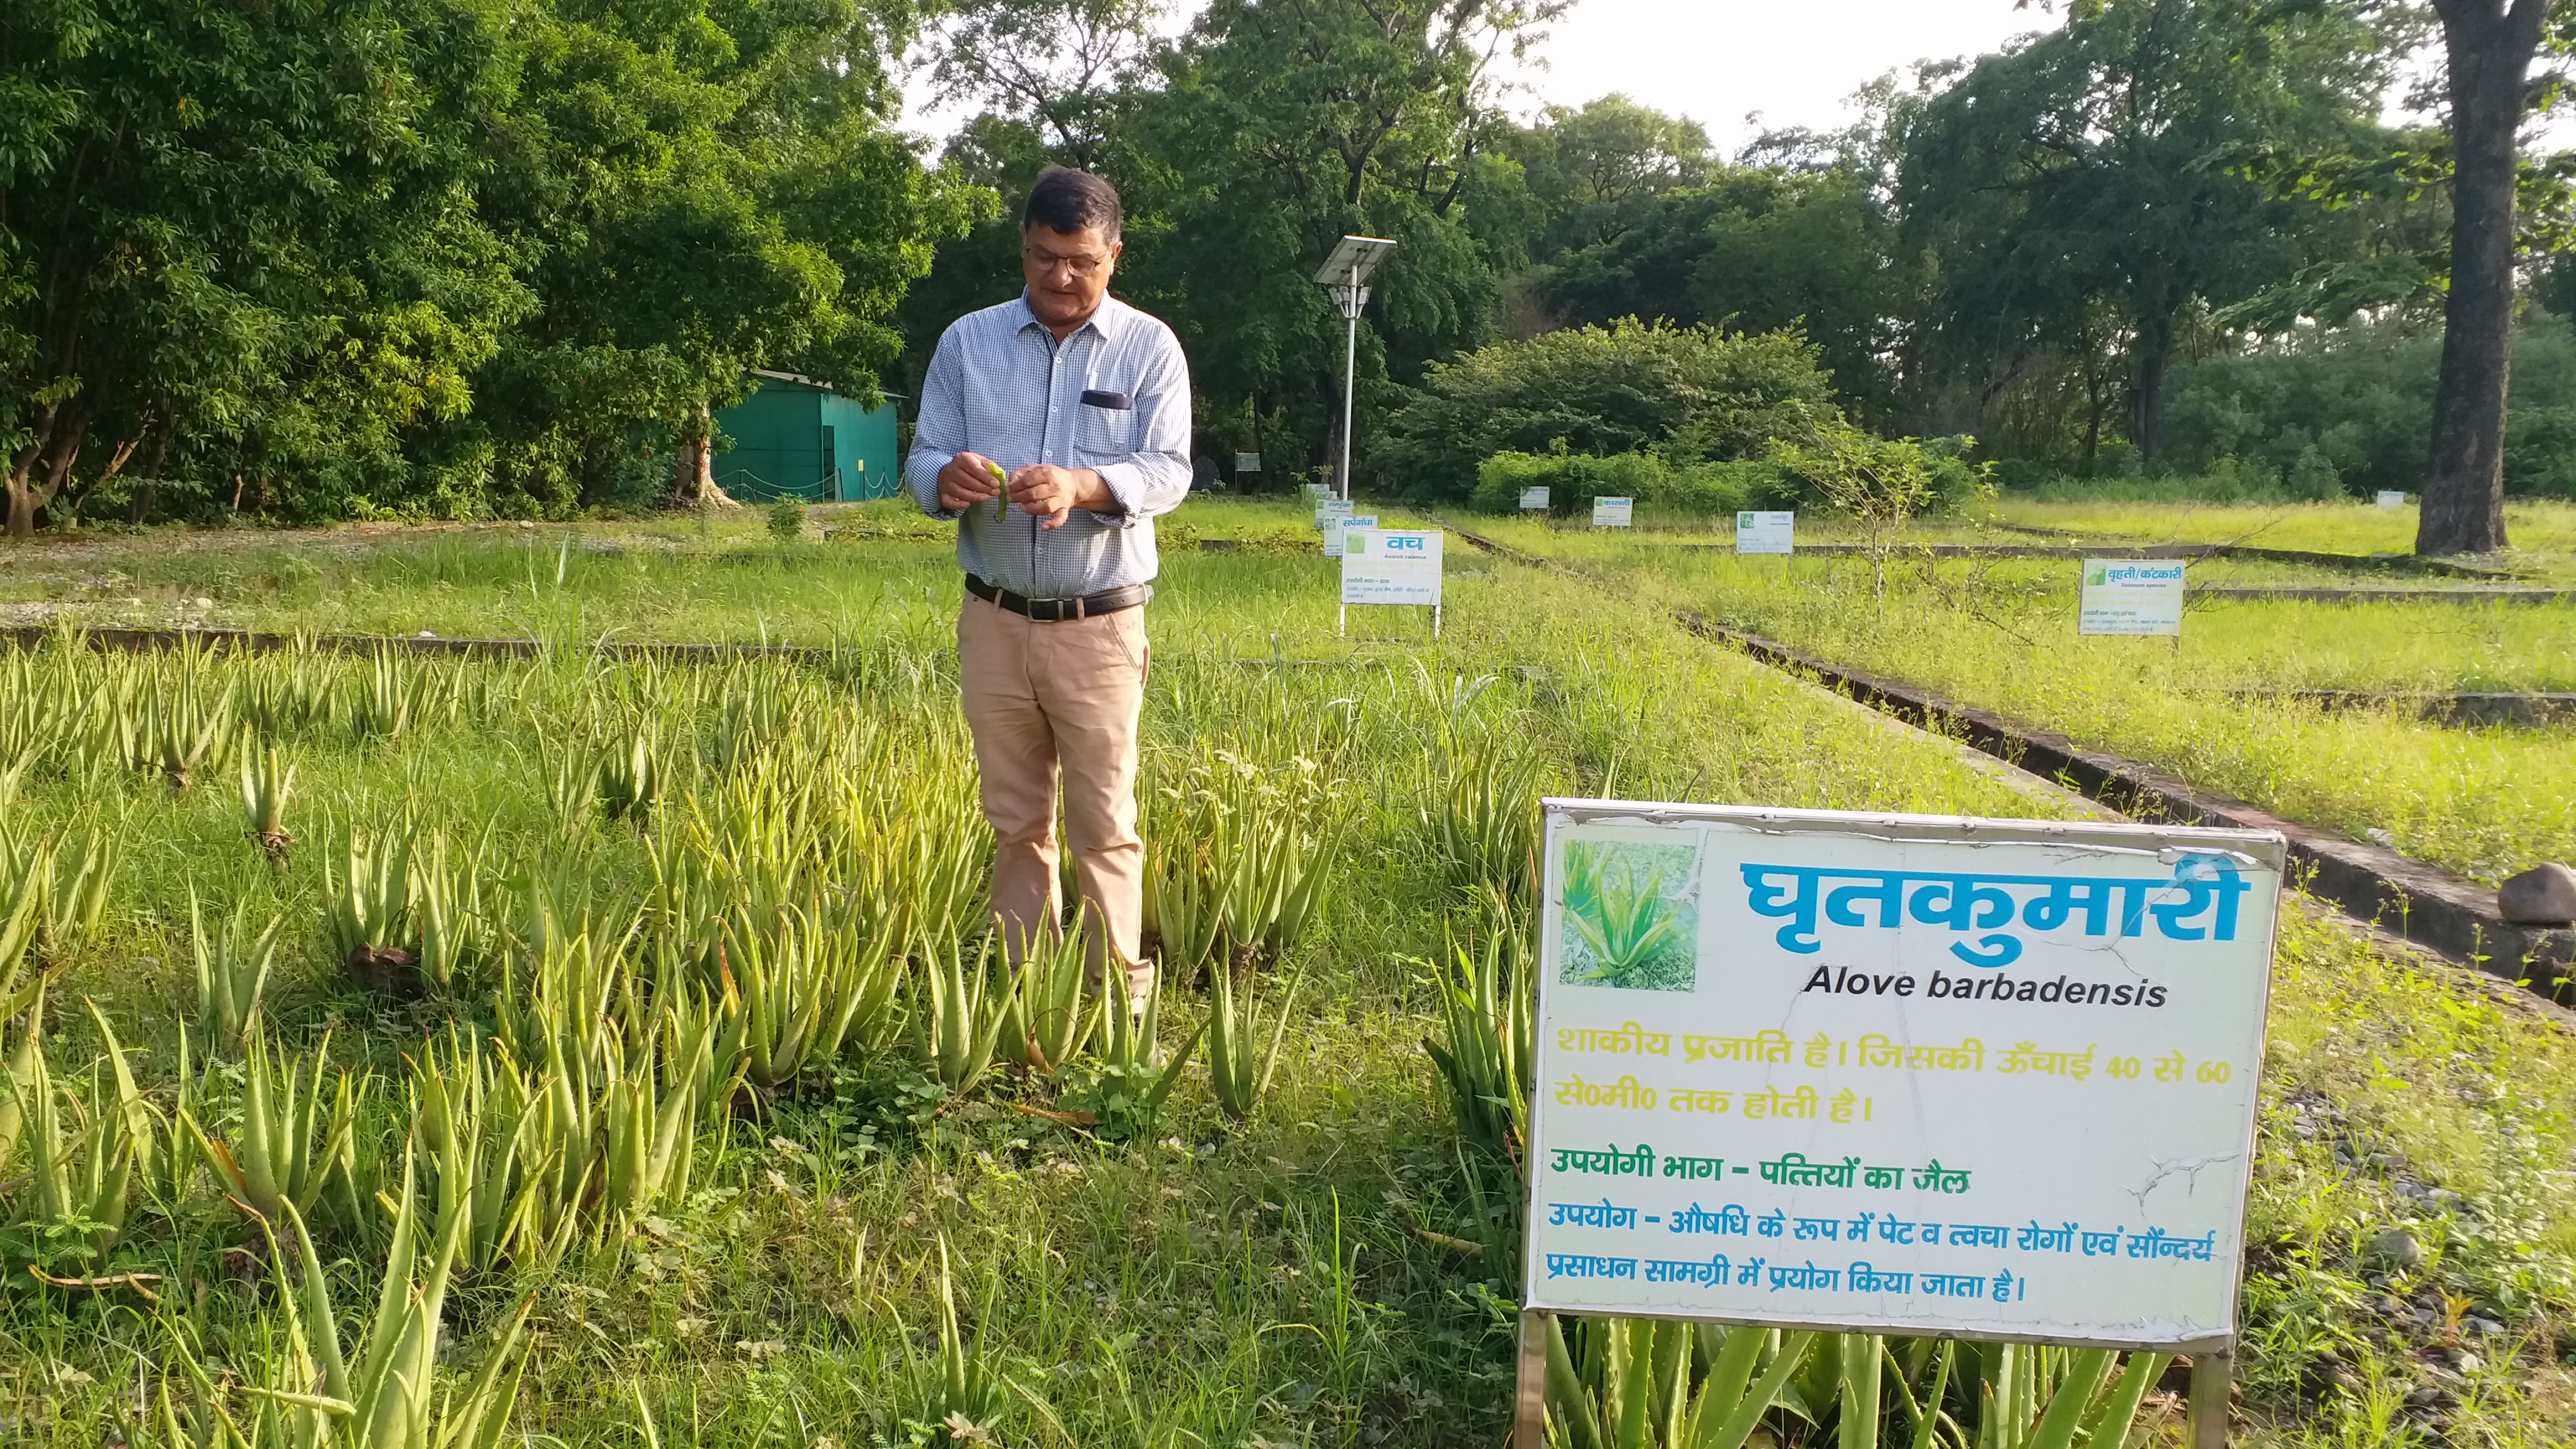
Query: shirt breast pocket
[(1104, 428)]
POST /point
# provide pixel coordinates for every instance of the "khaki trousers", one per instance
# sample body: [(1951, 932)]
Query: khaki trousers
[(1054, 706)]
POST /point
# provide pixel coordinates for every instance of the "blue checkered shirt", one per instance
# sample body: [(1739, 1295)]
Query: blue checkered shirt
[(1001, 385)]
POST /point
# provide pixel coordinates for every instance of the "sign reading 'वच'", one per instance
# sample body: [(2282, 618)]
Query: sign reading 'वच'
[(1391, 566), (1897, 1072)]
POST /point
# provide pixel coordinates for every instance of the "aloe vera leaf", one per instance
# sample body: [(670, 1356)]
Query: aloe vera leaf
[(2065, 1413), (1928, 1421), (1738, 1425), (1860, 1390), (2119, 1407), (1569, 1402), (1728, 1374)]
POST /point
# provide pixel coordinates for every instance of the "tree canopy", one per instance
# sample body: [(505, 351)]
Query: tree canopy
[(325, 258)]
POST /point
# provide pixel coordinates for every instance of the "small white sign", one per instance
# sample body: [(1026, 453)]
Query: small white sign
[(2389, 499), (1319, 490), (1247, 462), (1904, 1072), (1391, 566), (1612, 512), (1534, 498), (2131, 596), (1330, 512), (1765, 532), (1334, 537)]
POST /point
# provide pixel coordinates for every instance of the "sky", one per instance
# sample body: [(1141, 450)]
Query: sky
[(1715, 61)]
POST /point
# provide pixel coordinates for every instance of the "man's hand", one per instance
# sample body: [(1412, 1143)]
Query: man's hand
[(968, 479), (1048, 493)]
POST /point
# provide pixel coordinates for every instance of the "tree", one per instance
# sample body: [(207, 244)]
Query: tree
[(1757, 250), (1278, 128), (694, 193), (2489, 45), (1598, 169), (2104, 164), (1056, 66), (239, 236)]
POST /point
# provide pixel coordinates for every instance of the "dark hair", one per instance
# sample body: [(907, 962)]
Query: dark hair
[(1068, 201)]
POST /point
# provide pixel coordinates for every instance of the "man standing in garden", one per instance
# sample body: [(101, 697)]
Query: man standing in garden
[(1054, 428)]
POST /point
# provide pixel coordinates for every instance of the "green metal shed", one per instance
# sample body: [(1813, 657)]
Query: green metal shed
[(795, 438)]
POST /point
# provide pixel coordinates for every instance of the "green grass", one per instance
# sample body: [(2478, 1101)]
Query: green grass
[(1208, 1285), (2482, 802)]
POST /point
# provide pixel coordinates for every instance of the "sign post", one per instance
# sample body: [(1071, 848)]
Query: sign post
[(2391, 499), (1890, 1073), (1390, 566), (2125, 596), (1534, 499), (1336, 529), (1765, 532), (1613, 512)]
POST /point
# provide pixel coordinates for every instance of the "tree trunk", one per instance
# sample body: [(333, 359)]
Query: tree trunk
[(2489, 45), (693, 472), (2147, 426)]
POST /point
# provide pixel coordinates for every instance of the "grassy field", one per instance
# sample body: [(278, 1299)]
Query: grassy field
[(1334, 1271), (2543, 533), (2482, 802)]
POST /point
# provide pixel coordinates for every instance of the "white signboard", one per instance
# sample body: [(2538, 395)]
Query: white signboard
[(2388, 499), (1932, 1075), (1534, 499), (1329, 513), (1391, 566), (1247, 462), (1318, 491), (1333, 536), (1765, 532), (1612, 512), (2131, 596)]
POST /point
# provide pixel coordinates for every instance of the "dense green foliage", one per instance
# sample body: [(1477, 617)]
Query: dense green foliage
[(495, 257), (438, 256), (1690, 394)]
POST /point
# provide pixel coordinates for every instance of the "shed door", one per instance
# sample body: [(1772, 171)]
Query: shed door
[(831, 467)]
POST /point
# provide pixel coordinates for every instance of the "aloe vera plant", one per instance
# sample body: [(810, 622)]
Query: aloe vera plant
[(960, 1396), (182, 729), (1625, 922), (1639, 1384), (87, 1153), (1240, 1063), (962, 1014), (1490, 1054), (370, 913), (1050, 1012), (293, 1135), (266, 779), (1123, 1091), (1481, 816), (376, 1393), (232, 971)]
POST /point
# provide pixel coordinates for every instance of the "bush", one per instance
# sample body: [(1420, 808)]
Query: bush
[(2357, 402), (1686, 394), (787, 520), (1573, 480)]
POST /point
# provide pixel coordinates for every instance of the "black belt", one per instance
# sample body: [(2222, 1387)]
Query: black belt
[(1060, 611)]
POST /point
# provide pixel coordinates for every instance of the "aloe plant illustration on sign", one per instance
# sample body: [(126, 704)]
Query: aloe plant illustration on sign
[(1630, 918)]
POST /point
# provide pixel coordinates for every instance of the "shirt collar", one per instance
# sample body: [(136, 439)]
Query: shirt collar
[(1101, 319)]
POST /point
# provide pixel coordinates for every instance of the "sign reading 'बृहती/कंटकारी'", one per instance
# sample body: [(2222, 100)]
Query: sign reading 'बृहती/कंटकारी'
[(1910, 1073)]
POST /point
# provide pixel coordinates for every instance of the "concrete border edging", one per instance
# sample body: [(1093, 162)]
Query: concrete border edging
[(2371, 883)]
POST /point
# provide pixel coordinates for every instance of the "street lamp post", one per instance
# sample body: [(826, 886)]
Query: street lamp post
[(1345, 274)]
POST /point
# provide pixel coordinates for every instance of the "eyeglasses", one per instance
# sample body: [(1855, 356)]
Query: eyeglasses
[(1083, 268)]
